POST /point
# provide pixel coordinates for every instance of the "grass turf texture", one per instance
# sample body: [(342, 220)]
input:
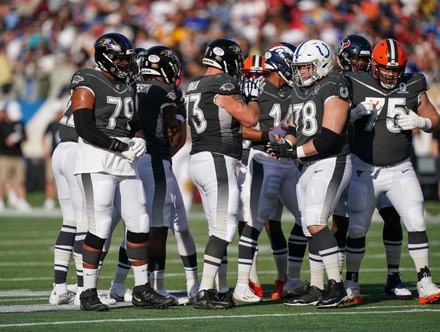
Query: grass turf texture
[(26, 274)]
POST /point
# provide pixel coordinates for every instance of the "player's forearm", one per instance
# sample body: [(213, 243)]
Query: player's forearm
[(85, 128)]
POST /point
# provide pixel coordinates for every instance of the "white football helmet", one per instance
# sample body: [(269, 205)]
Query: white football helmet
[(317, 56)]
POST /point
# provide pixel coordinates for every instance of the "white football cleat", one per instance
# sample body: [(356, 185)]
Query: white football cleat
[(72, 288), (428, 291), (245, 294), (59, 299), (353, 291)]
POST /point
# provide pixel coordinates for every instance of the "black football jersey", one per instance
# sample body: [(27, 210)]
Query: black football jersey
[(275, 107), (308, 108), (151, 99), (114, 107), (377, 139), (213, 128)]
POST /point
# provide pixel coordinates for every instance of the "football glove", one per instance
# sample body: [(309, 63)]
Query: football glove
[(129, 154), (253, 88), (281, 149), (362, 109), (412, 120), (278, 130), (138, 145)]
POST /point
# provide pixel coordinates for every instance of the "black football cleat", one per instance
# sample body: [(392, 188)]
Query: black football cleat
[(89, 301), (209, 299), (334, 295), (144, 296)]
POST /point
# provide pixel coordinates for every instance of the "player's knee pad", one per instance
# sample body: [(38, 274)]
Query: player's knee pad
[(271, 186), (356, 231)]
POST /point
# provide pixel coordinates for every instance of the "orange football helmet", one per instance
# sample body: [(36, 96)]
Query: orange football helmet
[(388, 54), (253, 66)]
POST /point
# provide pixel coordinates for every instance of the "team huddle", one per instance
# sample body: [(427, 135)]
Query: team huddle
[(271, 131)]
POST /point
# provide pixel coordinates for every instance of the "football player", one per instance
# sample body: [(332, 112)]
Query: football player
[(74, 228), (389, 103), (158, 99), (268, 179), (216, 112), (354, 54), (110, 142), (318, 138)]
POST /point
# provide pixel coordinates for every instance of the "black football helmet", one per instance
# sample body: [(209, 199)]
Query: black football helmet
[(139, 56), (354, 46), (114, 54), (225, 55), (161, 61)]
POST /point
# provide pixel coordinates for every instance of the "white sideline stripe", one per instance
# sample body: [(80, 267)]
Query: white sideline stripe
[(345, 313)]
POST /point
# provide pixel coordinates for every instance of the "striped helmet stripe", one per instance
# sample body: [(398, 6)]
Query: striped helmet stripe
[(257, 61), (392, 51)]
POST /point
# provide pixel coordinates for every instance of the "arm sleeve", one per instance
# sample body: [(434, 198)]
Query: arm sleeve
[(86, 129)]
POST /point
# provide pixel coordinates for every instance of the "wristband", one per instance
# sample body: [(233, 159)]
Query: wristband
[(291, 131), (300, 152)]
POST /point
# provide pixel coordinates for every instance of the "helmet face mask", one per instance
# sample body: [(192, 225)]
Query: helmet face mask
[(226, 55), (388, 62), (163, 62), (115, 55), (278, 57), (140, 54), (354, 54), (312, 61)]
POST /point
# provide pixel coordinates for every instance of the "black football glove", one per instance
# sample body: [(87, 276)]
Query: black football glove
[(281, 149)]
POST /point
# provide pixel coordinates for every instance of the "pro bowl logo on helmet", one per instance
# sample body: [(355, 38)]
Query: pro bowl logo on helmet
[(109, 44), (153, 58), (218, 51)]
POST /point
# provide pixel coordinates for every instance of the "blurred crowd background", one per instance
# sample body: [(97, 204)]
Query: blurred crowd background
[(42, 42)]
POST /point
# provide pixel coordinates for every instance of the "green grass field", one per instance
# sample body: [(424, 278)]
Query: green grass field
[(26, 246)]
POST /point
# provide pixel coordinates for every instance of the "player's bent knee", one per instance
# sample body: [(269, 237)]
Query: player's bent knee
[(355, 231)]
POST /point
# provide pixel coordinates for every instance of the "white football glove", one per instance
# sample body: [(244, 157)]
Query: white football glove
[(412, 120), (253, 88), (129, 154), (138, 145), (278, 130), (362, 109)]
